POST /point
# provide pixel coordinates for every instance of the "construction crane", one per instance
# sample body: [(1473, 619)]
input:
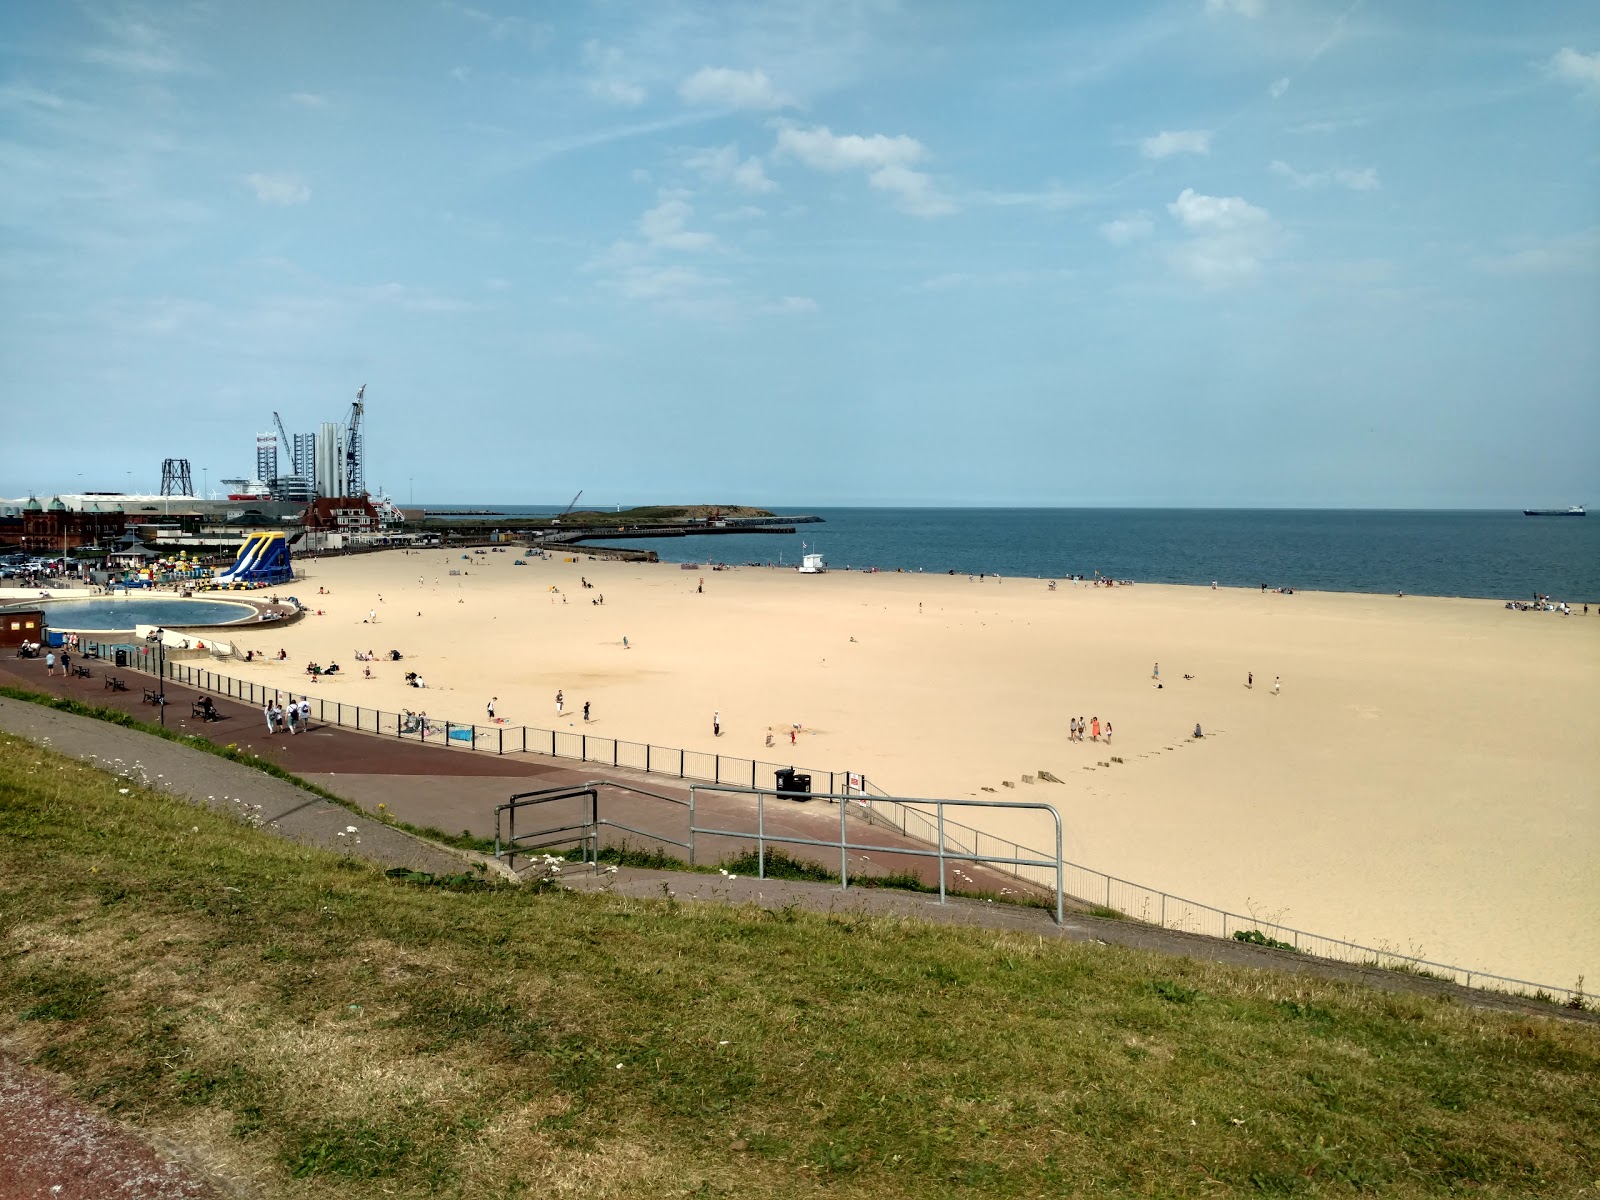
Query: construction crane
[(354, 460), (567, 509), (288, 447)]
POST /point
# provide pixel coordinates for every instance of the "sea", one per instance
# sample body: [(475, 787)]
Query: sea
[(1495, 554)]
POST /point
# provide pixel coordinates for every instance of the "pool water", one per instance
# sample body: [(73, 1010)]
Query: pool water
[(105, 612)]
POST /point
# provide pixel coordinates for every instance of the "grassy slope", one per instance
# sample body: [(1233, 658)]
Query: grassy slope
[(335, 1033)]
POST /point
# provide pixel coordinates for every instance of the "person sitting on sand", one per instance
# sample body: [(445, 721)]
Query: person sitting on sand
[(1197, 732)]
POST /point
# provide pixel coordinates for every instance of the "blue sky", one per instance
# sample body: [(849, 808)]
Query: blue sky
[(1209, 253)]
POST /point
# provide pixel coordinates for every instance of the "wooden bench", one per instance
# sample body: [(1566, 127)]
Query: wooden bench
[(204, 709), (113, 684), (82, 672), (152, 696)]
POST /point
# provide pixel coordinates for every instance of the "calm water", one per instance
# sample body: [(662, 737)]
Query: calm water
[(106, 613), (1495, 554)]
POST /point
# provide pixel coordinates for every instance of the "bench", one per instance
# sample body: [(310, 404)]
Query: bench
[(152, 696), (113, 684), (205, 710), (82, 672)]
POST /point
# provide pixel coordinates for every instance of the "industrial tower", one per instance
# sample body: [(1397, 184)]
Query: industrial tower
[(175, 479)]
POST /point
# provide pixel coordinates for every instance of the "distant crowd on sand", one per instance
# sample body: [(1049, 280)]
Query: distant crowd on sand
[(1541, 603)]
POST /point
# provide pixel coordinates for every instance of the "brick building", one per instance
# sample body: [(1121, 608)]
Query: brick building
[(55, 528)]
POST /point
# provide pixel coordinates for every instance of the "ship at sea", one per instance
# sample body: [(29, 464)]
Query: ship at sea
[(1575, 511)]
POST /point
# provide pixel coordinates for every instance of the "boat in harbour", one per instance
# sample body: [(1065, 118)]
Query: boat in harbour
[(1576, 510)]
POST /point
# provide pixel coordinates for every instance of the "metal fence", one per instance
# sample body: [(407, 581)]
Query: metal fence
[(694, 765), (1114, 895)]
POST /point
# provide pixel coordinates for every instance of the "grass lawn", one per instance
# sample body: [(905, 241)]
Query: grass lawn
[(333, 1032)]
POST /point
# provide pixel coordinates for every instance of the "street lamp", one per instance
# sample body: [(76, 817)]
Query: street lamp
[(161, 673)]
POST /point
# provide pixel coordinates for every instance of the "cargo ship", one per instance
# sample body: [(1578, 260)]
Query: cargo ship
[(1575, 511)]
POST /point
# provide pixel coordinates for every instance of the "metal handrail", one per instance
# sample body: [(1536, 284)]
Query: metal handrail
[(845, 845), (590, 829)]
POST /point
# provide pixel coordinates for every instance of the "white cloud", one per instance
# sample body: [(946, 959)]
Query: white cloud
[(24, 95), (1176, 141), (308, 99), (609, 81), (279, 189), (1051, 198), (790, 304), (726, 87), (886, 160), (665, 283), (913, 191), (1572, 66), (1357, 179), (134, 44), (722, 164), (745, 212), (1566, 254), (1229, 238), (664, 227), (1244, 8), (1123, 230), (1215, 214), (824, 150), (1278, 86)]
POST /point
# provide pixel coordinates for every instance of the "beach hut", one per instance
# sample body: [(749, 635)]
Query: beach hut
[(811, 564)]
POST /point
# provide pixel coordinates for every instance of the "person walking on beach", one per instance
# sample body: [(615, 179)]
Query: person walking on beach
[(492, 699), (625, 645), (1108, 733), (1155, 672), (1250, 679), (1094, 729), (1277, 682), (585, 712), (560, 701), (716, 723), (372, 616)]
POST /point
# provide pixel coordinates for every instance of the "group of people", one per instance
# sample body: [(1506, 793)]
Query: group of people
[(293, 716), (1078, 728)]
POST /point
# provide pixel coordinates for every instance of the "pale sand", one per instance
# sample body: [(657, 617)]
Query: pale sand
[(1426, 781)]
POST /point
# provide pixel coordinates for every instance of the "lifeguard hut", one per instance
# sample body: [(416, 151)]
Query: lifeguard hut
[(811, 564)]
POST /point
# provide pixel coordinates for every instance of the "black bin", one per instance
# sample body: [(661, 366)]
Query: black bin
[(793, 783), (122, 658)]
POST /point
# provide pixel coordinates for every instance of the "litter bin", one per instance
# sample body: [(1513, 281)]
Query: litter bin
[(122, 658), (792, 783)]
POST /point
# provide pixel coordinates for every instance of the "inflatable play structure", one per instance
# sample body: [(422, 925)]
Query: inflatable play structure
[(263, 561)]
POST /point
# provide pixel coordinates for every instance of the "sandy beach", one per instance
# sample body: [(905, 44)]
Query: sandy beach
[(1425, 780)]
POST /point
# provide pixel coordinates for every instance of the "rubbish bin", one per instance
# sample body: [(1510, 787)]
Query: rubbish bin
[(122, 658), (792, 783)]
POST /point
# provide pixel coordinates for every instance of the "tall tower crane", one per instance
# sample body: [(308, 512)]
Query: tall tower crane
[(354, 460), (288, 447)]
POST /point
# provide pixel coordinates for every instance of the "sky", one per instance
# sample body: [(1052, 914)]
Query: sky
[(1210, 253)]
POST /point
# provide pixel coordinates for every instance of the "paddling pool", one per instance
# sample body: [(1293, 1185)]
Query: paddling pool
[(118, 613)]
